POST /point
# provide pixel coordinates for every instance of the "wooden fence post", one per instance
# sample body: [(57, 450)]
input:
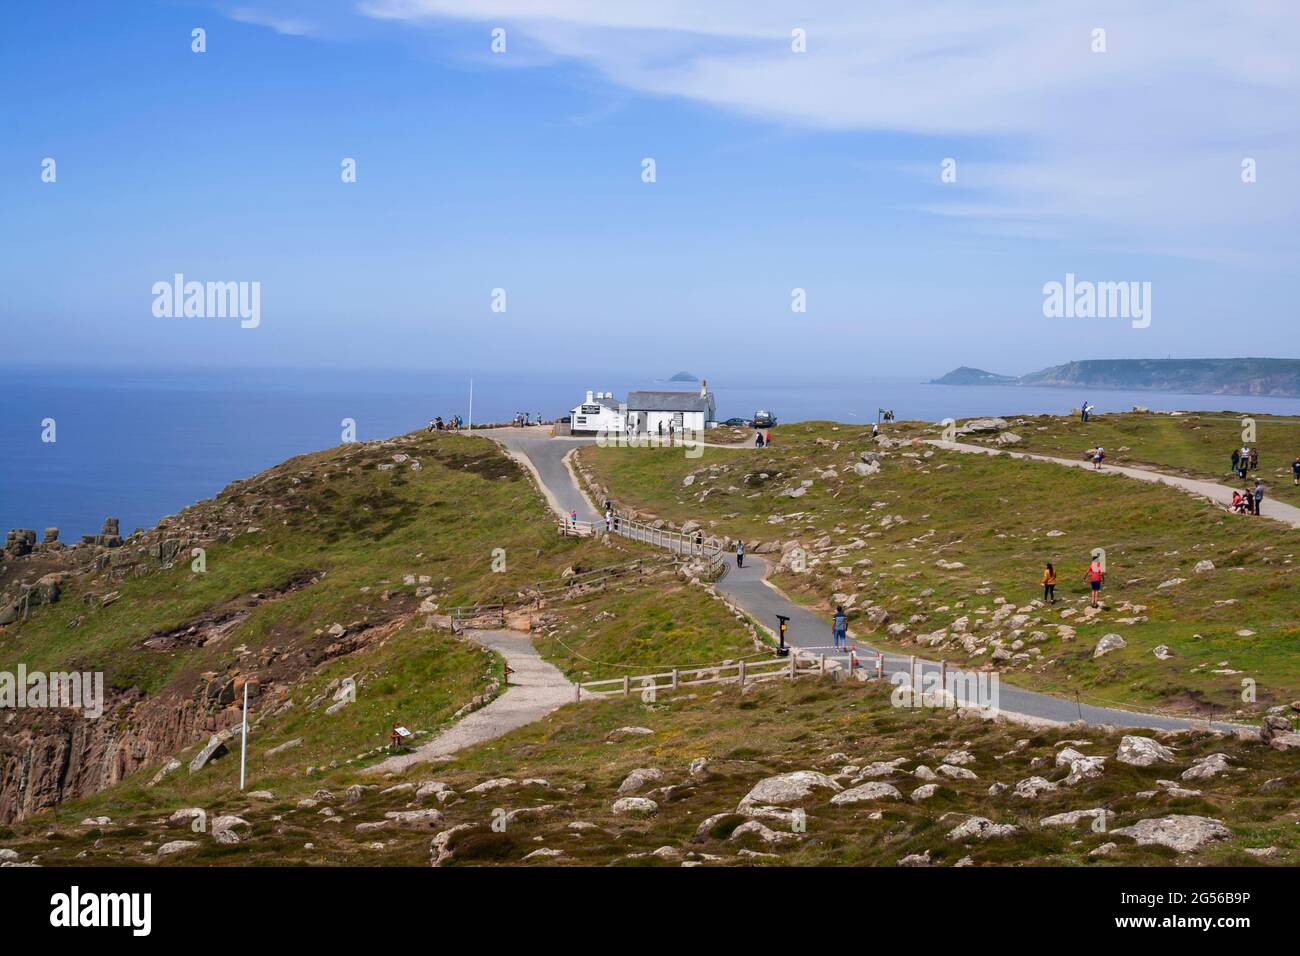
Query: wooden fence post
[(911, 676), (674, 678), (627, 685), (742, 673), (792, 664)]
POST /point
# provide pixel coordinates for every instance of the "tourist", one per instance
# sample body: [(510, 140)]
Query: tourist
[(1254, 459), (840, 627), (1295, 470), (767, 437), (1236, 457), (1049, 584), (875, 429), (758, 439), (609, 521), (699, 542), (1258, 496), (1095, 575), (1238, 503), (1098, 456), (740, 554)]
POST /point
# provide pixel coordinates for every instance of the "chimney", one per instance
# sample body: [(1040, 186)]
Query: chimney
[(589, 396), (704, 388)]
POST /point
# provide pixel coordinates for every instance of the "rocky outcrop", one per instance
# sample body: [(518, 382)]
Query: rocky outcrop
[(1185, 834)]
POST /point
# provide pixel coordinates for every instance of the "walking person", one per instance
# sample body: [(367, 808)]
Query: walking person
[(1049, 584), (1095, 575), (1236, 457), (767, 437), (840, 627), (758, 439), (740, 554), (1254, 459), (1098, 456), (1295, 470), (1258, 496), (609, 520)]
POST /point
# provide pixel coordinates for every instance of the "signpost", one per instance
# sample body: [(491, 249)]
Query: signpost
[(782, 621), (243, 743)]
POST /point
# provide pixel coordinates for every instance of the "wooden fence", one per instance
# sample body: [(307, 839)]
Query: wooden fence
[(740, 672)]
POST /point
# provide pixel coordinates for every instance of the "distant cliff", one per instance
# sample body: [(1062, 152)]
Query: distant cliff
[(1243, 376)]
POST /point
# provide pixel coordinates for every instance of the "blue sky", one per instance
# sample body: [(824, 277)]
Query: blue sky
[(522, 171)]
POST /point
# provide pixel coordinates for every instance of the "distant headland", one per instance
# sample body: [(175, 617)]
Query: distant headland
[(1228, 376)]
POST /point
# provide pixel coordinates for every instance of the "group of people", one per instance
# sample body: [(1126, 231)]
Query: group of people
[(453, 423), (763, 438), (1085, 411), (1248, 500), (523, 418), (1094, 576), (1245, 459)]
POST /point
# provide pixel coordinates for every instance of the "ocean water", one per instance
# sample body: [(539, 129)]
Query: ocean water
[(139, 445)]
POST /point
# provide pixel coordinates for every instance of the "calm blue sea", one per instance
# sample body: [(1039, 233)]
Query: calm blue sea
[(141, 445)]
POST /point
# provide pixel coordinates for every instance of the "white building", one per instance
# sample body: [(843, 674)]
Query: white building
[(645, 413), (599, 413)]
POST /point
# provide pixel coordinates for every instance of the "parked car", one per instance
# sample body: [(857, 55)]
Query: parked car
[(764, 419), (736, 423)]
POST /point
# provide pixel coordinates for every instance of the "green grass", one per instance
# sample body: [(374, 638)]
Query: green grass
[(1195, 444), (360, 530), (993, 515), (642, 629), (777, 728)]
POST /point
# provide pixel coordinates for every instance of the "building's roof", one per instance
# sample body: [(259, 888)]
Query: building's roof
[(669, 402), (611, 403)]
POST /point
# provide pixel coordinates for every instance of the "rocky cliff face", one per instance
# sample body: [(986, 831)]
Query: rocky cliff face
[(47, 757)]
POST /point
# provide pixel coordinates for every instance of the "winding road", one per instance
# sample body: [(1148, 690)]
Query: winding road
[(749, 589)]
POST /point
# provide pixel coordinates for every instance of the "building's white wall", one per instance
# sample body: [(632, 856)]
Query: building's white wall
[(649, 422), (608, 420)]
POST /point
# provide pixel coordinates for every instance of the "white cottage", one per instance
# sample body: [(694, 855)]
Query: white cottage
[(645, 413), (599, 413)]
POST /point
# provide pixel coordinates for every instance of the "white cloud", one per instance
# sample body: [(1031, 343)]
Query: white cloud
[(288, 26), (1145, 139)]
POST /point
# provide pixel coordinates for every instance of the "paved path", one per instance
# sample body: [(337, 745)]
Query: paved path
[(544, 457), (749, 589), (536, 689), (1219, 494)]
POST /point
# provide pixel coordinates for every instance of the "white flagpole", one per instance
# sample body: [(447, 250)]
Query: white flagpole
[(243, 744), (470, 423)]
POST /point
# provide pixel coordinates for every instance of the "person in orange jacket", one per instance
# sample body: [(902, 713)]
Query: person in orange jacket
[(1049, 584), (1095, 575)]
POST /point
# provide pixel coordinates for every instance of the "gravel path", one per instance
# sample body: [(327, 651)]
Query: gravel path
[(536, 689)]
